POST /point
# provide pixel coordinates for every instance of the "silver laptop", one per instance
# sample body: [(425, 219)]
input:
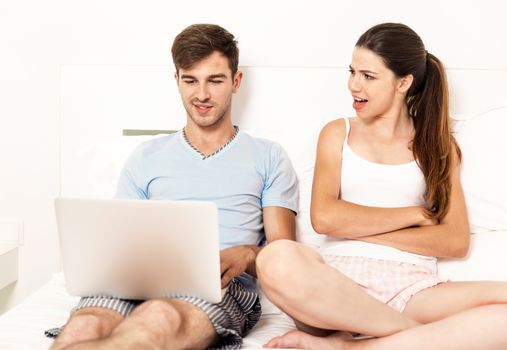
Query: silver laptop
[(139, 249)]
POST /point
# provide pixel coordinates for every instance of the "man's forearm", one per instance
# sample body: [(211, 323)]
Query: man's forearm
[(251, 270)]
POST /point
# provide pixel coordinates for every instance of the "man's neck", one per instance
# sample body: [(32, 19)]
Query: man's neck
[(208, 140)]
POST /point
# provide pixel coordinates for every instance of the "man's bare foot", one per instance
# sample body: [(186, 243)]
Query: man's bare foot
[(300, 340)]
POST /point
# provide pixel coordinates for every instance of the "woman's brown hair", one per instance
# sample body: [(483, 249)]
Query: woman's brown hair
[(403, 52)]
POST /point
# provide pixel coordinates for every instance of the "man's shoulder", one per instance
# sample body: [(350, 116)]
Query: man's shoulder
[(156, 143), (260, 142)]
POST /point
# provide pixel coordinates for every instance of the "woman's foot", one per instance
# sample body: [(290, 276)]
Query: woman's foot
[(300, 340)]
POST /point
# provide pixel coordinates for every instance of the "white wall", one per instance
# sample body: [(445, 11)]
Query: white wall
[(39, 40)]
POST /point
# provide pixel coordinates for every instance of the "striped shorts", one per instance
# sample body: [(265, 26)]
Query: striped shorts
[(232, 318), (391, 282)]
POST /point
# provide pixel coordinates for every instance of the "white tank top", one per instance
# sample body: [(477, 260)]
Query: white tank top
[(378, 185)]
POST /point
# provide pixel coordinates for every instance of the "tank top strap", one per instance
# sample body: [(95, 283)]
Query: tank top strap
[(347, 130)]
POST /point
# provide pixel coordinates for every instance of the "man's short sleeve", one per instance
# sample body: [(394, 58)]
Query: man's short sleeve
[(281, 187), (130, 184)]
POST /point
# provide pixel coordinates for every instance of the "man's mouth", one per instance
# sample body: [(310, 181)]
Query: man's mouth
[(202, 109)]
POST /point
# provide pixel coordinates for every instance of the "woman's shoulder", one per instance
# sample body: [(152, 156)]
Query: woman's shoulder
[(335, 129)]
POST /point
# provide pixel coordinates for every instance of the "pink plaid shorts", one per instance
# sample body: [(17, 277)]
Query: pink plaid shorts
[(391, 282)]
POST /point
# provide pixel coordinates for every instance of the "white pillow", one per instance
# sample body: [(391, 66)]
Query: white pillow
[(107, 159), (301, 146), (483, 143)]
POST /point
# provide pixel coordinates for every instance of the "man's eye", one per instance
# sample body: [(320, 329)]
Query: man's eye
[(216, 81), (189, 81)]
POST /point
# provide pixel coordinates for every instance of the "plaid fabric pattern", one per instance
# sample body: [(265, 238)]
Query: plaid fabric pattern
[(391, 282), (233, 317)]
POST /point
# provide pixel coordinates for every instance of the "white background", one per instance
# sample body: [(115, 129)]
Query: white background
[(41, 43)]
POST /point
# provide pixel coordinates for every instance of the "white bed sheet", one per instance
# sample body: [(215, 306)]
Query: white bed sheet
[(22, 327)]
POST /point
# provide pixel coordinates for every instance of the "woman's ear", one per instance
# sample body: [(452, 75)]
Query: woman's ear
[(404, 83)]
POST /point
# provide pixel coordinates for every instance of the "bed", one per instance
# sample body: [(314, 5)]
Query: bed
[(22, 327), (91, 160)]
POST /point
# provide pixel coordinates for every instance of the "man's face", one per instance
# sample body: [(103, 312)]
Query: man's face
[(206, 90)]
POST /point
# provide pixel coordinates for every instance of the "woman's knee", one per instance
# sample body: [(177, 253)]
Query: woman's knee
[(274, 256), (279, 262)]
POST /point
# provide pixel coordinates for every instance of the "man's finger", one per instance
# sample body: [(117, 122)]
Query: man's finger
[(228, 275)]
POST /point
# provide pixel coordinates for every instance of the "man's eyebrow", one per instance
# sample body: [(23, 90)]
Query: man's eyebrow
[(213, 76), (218, 76)]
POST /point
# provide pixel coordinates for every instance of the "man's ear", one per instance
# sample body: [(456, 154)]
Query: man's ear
[(236, 81), (176, 77), (404, 83)]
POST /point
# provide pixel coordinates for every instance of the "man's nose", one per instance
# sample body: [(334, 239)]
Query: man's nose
[(203, 92)]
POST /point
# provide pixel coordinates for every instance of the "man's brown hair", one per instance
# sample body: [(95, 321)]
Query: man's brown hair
[(198, 41)]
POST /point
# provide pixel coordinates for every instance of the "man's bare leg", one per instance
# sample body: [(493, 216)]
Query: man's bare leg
[(158, 324), (87, 324)]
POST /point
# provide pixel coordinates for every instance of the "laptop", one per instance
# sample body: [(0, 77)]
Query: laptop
[(139, 249)]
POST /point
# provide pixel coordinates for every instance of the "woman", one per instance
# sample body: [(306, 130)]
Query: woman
[(387, 194)]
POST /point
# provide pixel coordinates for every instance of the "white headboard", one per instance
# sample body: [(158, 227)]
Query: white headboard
[(289, 105)]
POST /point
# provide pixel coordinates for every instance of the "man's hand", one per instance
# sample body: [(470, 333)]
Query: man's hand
[(235, 260)]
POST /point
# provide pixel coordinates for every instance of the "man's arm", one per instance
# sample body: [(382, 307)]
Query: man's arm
[(279, 223)]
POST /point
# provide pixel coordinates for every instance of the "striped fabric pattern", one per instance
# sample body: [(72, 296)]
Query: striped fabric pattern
[(233, 317), (123, 307), (204, 156)]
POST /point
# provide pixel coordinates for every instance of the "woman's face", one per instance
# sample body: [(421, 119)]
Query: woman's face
[(373, 86)]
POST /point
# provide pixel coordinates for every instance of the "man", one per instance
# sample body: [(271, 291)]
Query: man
[(252, 182)]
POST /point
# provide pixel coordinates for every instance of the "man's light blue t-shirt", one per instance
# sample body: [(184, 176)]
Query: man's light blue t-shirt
[(245, 176)]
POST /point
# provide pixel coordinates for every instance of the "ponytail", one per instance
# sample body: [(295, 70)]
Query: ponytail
[(434, 146)]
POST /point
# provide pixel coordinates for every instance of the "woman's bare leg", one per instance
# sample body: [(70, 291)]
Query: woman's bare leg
[(445, 299), (478, 328), (296, 279)]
